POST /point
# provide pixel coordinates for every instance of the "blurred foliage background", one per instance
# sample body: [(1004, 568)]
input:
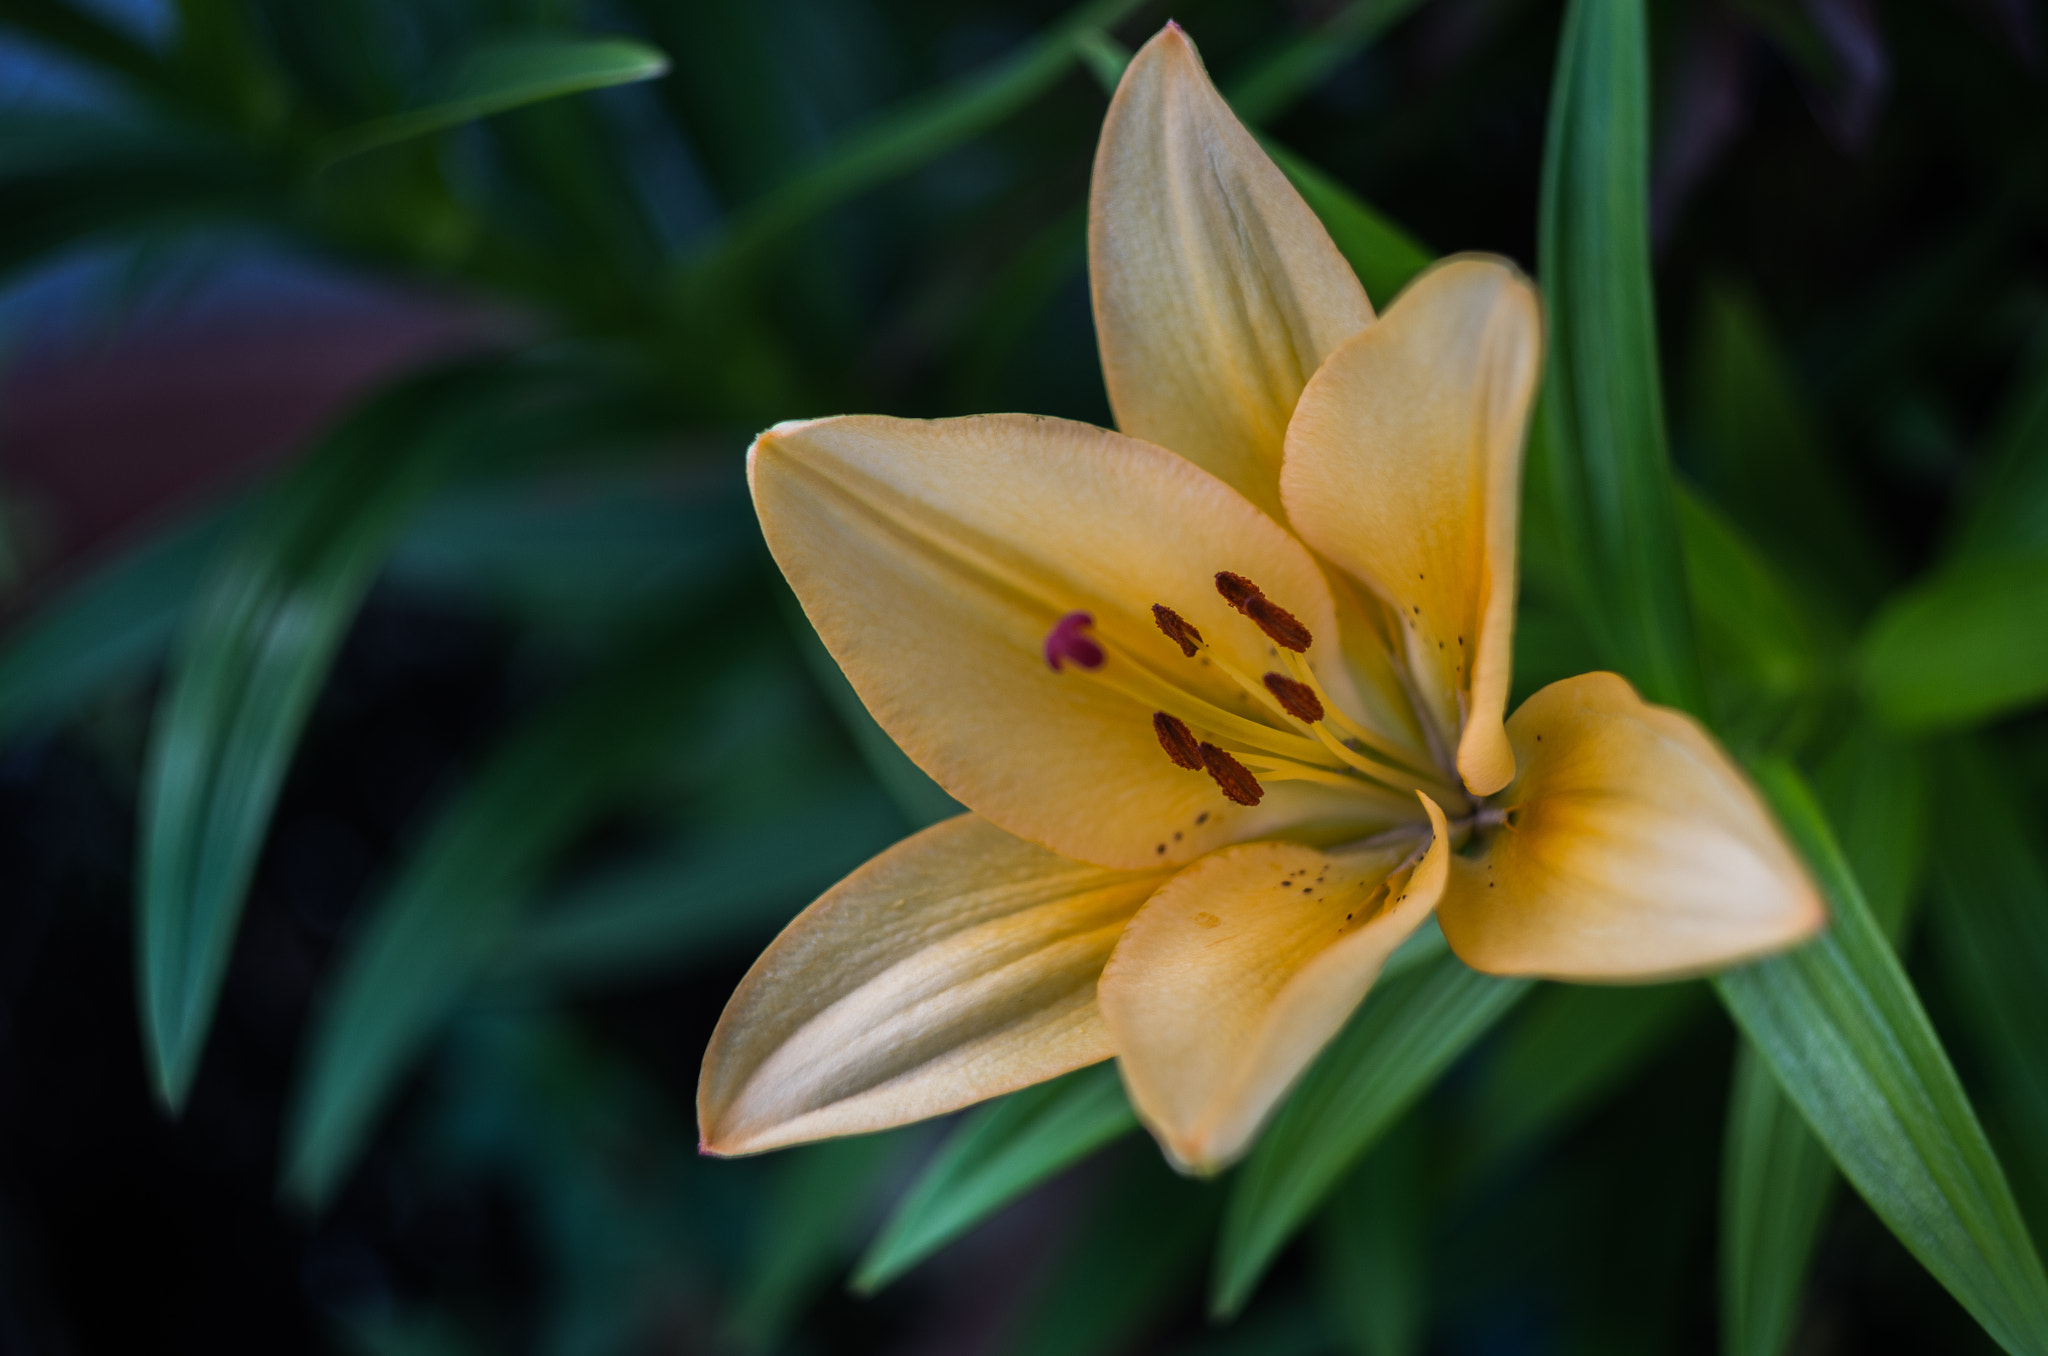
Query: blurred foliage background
[(408, 743)]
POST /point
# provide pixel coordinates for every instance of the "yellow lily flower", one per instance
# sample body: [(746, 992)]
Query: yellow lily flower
[(1223, 691)]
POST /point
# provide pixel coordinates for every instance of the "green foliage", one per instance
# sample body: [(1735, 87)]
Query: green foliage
[(1961, 648), (1410, 1029), (998, 1153), (1603, 402), (1839, 1025)]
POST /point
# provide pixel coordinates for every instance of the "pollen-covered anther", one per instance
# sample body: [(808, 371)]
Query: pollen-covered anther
[(1296, 699), (1232, 776), (1069, 643), (1178, 629), (1236, 589), (1280, 625), (1178, 741)]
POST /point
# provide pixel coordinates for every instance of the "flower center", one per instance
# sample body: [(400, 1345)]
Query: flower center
[(1307, 736)]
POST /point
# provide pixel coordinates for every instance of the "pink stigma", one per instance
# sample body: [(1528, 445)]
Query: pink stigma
[(1069, 643)]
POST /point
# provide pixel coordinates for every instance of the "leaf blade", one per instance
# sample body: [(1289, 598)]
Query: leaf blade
[(1410, 1029), (1839, 1025)]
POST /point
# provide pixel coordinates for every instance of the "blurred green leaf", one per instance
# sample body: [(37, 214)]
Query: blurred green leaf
[(2008, 511), (456, 899), (1776, 1180), (77, 30), (1602, 398), (822, 1198), (1383, 255), (911, 135), (998, 1153), (254, 649), (1776, 1184), (1968, 645), (1136, 1252), (741, 885), (1296, 65), (1758, 451), (1566, 1049), (1990, 928), (1762, 656), (1409, 1030), (1839, 1025), (1372, 1246), (502, 76), (111, 624)]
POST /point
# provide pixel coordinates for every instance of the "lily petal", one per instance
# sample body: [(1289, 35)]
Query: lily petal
[(934, 558), (1233, 977), (958, 965), (1217, 291), (1404, 467), (1634, 849)]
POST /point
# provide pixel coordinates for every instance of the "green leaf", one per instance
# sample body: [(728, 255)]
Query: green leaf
[(912, 135), (110, 625), (1777, 1181), (455, 901), (1383, 255), (1759, 451), (255, 647), (1776, 1185), (1839, 1025), (1295, 66), (998, 1153), (502, 76), (1603, 403), (2009, 508), (1569, 1047), (820, 1200), (1990, 929), (740, 885), (1761, 653), (1409, 1030), (1138, 1252), (1961, 648), (1372, 1242)]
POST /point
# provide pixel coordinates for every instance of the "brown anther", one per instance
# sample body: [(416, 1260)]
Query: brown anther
[(1178, 741), (1296, 699), (1235, 779), (1236, 589), (1177, 629), (1280, 625)]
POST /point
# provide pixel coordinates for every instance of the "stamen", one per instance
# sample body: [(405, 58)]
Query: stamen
[(1178, 629), (1069, 643), (1280, 625), (1236, 781), (1299, 699), (1236, 589), (1178, 741)]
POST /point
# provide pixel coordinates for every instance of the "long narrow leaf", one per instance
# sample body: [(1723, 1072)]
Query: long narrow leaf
[(1603, 399), (1410, 1029), (1963, 648), (250, 660), (1777, 1181), (454, 903), (1990, 928), (109, 625), (1839, 1025), (503, 76), (998, 1153)]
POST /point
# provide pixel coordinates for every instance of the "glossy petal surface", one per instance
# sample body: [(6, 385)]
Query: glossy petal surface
[(1404, 467), (958, 965), (1238, 971), (935, 557), (1634, 850), (1217, 291)]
